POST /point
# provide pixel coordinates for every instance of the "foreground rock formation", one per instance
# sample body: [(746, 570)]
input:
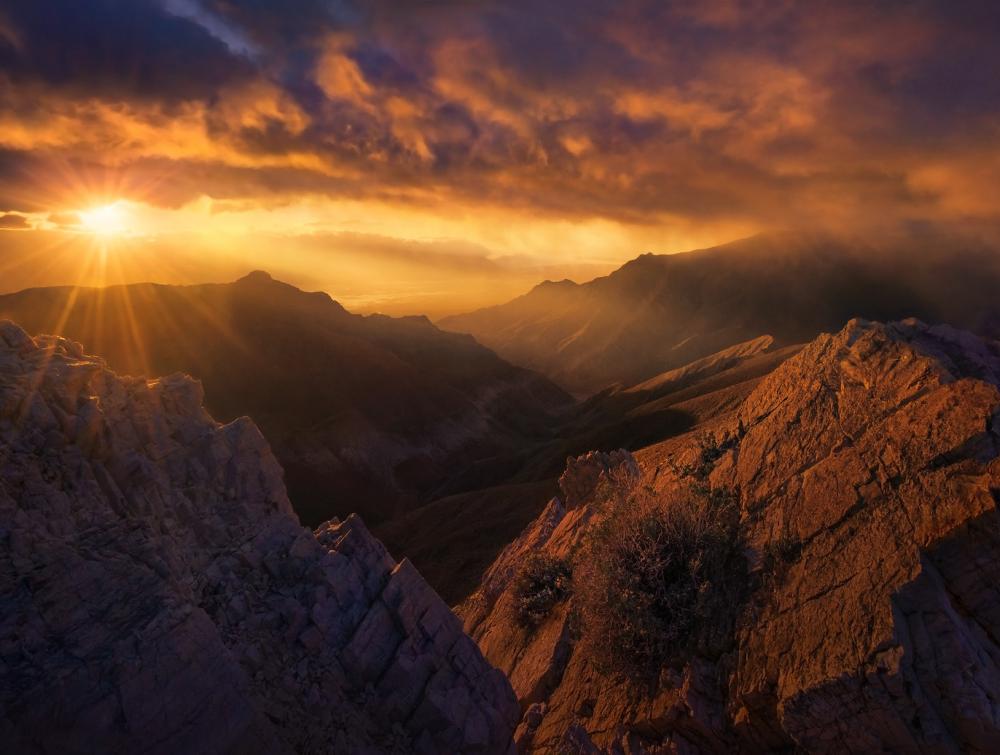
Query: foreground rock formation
[(158, 595), (867, 475)]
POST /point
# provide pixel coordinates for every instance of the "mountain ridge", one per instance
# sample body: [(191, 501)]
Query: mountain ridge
[(361, 410), (160, 595), (658, 312)]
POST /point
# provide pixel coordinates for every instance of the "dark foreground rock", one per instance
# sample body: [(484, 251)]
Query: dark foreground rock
[(866, 474), (158, 595)]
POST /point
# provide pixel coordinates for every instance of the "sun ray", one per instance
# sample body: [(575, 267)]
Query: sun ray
[(127, 318), (62, 318)]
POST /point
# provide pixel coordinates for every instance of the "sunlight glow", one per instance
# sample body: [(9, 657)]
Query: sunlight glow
[(107, 220)]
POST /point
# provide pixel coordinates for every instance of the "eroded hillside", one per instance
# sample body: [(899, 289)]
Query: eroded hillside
[(852, 498), (366, 414)]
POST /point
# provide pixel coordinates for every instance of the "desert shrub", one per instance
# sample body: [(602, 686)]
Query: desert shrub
[(778, 554), (665, 580), (542, 582), (710, 450)]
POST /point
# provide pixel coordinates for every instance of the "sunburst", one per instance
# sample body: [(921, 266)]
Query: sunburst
[(106, 220)]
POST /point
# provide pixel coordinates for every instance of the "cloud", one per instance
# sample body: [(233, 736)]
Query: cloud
[(740, 112), (116, 50), (65, 219), (274, 24), (13, 222)]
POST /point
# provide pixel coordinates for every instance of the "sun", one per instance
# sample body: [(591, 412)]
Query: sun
[(106, 220)]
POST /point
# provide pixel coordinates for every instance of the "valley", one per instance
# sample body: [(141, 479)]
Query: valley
[(499, 378)]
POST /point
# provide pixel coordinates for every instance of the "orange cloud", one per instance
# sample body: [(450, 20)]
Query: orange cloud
[(525, 129), (340, 77)]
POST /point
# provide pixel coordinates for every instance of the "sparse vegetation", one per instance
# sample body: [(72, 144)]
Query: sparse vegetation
[(777, 556), (710, 450), (665, 580), (539, 585)]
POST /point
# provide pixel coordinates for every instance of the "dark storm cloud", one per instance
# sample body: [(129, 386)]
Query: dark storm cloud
[(115, 49), (749, 110)]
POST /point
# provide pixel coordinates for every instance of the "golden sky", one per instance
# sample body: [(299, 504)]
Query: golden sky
[(438, 155)]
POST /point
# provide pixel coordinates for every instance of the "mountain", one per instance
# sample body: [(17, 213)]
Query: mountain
[(813, 570), (811, 566), (157, 593), (659, 312), (445, 448), (455, 538), (369, 414)]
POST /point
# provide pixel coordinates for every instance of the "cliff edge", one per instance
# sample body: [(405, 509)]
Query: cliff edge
[(157, 593)]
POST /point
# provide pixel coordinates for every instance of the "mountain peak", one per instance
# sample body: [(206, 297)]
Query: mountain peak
[(562, 285), (257, 276), (661, 312)]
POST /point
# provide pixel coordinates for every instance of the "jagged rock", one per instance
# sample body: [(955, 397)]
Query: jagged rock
[(157, 593), (585, 473), (867, 472)]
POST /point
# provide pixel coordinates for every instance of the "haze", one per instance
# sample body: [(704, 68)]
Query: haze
[(439, 156)]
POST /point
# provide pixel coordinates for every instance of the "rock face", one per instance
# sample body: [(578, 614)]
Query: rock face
[(867, 474), (157, 593)]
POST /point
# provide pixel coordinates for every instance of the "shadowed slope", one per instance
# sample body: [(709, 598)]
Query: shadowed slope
[(365, 413), (158, 595), (453, 540), (659, 312)]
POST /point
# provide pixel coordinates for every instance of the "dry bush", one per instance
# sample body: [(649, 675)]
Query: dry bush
[(665, 579), (710, 450), (777, 555), (542, 582)]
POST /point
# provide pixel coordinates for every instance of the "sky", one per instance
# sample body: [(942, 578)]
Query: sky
[(436, 155)]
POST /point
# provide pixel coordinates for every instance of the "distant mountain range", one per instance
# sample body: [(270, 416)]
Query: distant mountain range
[(659, 312), (448, 450), (366, 414)]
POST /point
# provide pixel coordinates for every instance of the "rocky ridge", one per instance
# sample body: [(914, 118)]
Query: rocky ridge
[(867, 476), (713, 363), (157, 593)]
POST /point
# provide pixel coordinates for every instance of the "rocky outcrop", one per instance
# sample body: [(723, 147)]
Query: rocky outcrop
[(157, 593), (867, 472)]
